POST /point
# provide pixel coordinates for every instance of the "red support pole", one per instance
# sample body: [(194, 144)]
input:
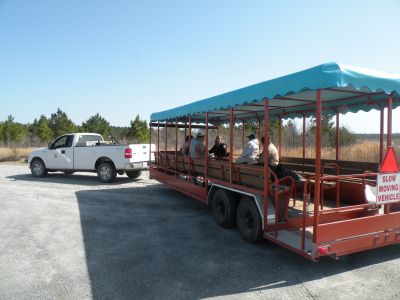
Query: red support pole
[(266, 169), (304, 136), (190, 141), (389, 137), (231, 125), (176, 147), (382, 122), (337, 135), (389, 122), (166, 146), (206, 159), (149, 148), (280, 137), (243, 133), (185, 129), (259, 133), (158, 144), (317, 186)]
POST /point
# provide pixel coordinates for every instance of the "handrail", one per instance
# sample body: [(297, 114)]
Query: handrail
[(307, 185), (325, 166)]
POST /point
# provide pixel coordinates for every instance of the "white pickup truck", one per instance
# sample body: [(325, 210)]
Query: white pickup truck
[(88, 152)]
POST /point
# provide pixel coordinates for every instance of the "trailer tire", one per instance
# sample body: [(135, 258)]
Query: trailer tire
[(249, 221), (38, 169), (106, 172), (224, 208), (134, 174)]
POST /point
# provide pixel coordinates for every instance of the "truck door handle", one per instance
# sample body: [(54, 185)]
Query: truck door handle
[(62, 151)]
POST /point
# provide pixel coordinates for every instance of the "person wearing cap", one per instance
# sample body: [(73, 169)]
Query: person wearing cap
[(273, 155), (197, 148), (250, 151), (219, 149)]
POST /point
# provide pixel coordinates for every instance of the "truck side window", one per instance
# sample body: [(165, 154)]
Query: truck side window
[(62, 142), (69, 141)]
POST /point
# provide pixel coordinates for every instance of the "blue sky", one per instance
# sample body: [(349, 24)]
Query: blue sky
[(122, 58)]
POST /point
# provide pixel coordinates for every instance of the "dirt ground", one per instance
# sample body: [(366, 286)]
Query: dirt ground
[(71, 237)]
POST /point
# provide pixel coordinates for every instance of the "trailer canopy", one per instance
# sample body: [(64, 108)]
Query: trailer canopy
[(344, 89)]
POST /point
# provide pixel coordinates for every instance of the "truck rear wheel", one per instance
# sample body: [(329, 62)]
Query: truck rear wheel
[(249, 221), (134, 174), (38, 169), (224, 208), (106, 172)]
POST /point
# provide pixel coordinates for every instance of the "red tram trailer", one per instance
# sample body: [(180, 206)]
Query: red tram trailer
[(333, 211)]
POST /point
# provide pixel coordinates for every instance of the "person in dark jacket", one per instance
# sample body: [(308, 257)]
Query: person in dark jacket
[(220, 149)]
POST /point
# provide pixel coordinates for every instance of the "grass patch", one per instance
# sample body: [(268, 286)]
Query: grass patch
[(14, 154)]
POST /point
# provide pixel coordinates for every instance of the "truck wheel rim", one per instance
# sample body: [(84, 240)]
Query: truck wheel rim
[(105, 172), (37, 168)]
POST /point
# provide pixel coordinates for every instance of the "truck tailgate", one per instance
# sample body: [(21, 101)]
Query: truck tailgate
[(140, 153)]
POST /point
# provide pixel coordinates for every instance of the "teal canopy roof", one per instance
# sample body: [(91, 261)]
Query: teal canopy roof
[(343, 89)]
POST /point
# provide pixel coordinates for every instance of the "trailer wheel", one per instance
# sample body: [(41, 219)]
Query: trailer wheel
[(249, 221), (224, 208), (38, 169), (106, 172), (134, 174)]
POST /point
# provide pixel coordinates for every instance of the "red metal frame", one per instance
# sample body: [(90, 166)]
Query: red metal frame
[(280, 137), (266, 154), (318, 113), (206, 159), (345, 229), (304, 136)]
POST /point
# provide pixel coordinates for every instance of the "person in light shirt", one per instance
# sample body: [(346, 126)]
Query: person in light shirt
[(273, 162), (250, 151), (197, 148), (273, 155)]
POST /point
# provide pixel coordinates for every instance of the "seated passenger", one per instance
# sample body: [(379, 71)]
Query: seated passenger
[(250, 151), (186, 146), (197, 148), (273, 155), (273, 163), (219, 149)]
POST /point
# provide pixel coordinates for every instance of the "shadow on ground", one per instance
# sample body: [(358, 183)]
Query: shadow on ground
[(152, 242), (73, 179)]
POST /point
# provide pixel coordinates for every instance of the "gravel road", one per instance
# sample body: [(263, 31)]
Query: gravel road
[(70, 237)]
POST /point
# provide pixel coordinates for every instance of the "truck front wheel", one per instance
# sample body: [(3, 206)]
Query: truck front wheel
[(38, 169), (134, 174), (106, 172)]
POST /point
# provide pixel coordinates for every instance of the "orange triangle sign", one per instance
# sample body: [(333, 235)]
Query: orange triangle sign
[(389, 163)]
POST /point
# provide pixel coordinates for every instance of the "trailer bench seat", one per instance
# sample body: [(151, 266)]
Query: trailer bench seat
[(307, 165)]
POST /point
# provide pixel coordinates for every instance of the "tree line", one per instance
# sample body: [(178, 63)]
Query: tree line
[(43, 130)]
